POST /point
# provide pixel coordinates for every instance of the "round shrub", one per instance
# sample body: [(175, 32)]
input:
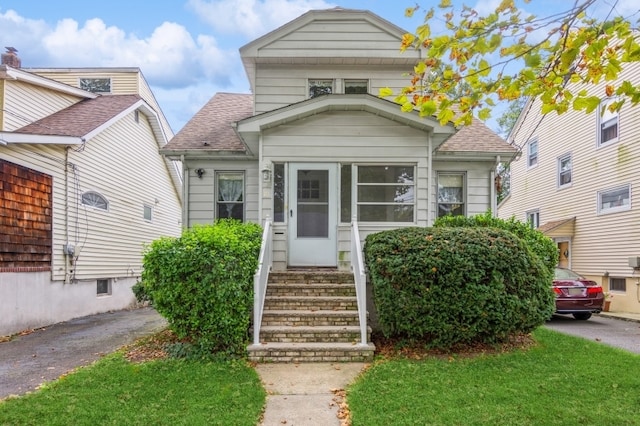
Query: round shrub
[(538, 243), (456, 286), (202, 283)]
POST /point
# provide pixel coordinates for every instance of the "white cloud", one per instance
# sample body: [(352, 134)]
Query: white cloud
[(252, 18)]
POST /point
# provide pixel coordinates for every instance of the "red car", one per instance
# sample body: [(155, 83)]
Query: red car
[(576, 295)]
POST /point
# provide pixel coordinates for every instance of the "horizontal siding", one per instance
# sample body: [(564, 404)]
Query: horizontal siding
[(278, 86), (201, 191), (122, 83), (20, 99), (124, 166), (601, 242), (328, 38)]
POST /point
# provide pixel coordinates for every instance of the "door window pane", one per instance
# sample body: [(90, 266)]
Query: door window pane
[(313, 203)]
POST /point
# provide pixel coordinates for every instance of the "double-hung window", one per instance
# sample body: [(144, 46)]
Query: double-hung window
[(384, 193), (614, 199), (533, 218), (451, 194), (230, 195), (532, 153), (565, 168), (607, 123)]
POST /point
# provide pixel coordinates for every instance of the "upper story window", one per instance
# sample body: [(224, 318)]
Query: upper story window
[(147, 212), (385, 193), (615, 199), (356, 86), (532, 153), (607, 124), (451, 194), (93, 199), (533, 218), (565, 168), (320, 87), (230, 199), (96, 85)]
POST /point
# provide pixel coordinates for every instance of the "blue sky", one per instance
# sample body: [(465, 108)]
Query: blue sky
[(186, 49)]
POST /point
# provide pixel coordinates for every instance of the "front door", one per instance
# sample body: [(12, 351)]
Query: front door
[(313, 214)]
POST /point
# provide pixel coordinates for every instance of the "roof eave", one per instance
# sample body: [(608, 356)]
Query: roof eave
[(27, 138)]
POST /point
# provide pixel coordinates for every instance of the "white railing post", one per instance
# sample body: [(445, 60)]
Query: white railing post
[(260, 279), (357, 266)]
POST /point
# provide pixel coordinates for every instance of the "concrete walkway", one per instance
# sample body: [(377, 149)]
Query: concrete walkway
[(305, 394)]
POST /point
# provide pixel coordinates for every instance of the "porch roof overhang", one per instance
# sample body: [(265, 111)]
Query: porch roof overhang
[(472, 155), (335, 102), (559, 228)]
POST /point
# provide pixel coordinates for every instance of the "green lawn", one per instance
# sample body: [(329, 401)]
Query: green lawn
[(561, 381), (163, 392)]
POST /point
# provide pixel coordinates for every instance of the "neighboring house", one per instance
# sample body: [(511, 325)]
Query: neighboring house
[(575, 181), (83, 188), (314, 148)]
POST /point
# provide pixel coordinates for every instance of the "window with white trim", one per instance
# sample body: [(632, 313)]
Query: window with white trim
[(95, 200), (532, 153), (607, 123), (451, 194), (96, 85), (533, 218), (356, 86), (614, 200), (230, 195), (565, 168), (320, 87), (385, 193)]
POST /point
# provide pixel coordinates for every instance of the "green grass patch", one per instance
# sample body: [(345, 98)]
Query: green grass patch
[(114, 391), (563, 380)]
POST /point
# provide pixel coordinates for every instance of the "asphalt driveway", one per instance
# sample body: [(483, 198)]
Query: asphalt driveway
[(616, 332), (45, 354)]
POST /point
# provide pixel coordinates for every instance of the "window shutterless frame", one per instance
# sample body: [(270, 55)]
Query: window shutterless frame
[(615, 199)]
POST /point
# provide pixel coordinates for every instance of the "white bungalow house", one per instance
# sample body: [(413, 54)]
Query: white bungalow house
[(83, 189), (576, 181), (314, 151)]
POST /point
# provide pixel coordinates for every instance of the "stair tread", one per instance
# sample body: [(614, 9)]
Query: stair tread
[(310, 328), (280, 297), (313, 345), (351, 312)]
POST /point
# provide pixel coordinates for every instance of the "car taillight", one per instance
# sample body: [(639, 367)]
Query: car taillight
[(557, 290), (594, 290)]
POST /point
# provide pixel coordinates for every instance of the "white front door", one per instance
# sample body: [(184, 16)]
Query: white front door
[(313, 214)]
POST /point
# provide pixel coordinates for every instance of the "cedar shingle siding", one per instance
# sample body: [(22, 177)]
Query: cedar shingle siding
[(25, 219)]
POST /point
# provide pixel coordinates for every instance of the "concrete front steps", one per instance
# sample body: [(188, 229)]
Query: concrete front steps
[(311, 316)]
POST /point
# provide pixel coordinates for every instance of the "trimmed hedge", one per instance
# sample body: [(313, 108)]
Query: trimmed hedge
[(540, 244), (456, 286), (202, 283)]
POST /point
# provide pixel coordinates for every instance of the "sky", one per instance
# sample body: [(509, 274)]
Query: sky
[(186, 49)]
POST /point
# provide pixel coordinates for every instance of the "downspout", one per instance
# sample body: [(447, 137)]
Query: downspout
[(492, 183), (429, 178), (66, 213), (185, 193)]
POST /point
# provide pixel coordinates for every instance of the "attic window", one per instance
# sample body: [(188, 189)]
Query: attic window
[(320, 87), (96, 85), (93, 199), (355, 86)]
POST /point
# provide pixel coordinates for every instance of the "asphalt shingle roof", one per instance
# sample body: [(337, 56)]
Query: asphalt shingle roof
[(81, 118), (212, 127)]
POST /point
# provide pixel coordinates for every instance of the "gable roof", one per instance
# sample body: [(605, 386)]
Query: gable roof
[(10, 73), (213, 127), (82, 121)]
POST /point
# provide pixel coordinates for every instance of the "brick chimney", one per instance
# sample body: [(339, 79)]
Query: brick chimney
[(11, 58)]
